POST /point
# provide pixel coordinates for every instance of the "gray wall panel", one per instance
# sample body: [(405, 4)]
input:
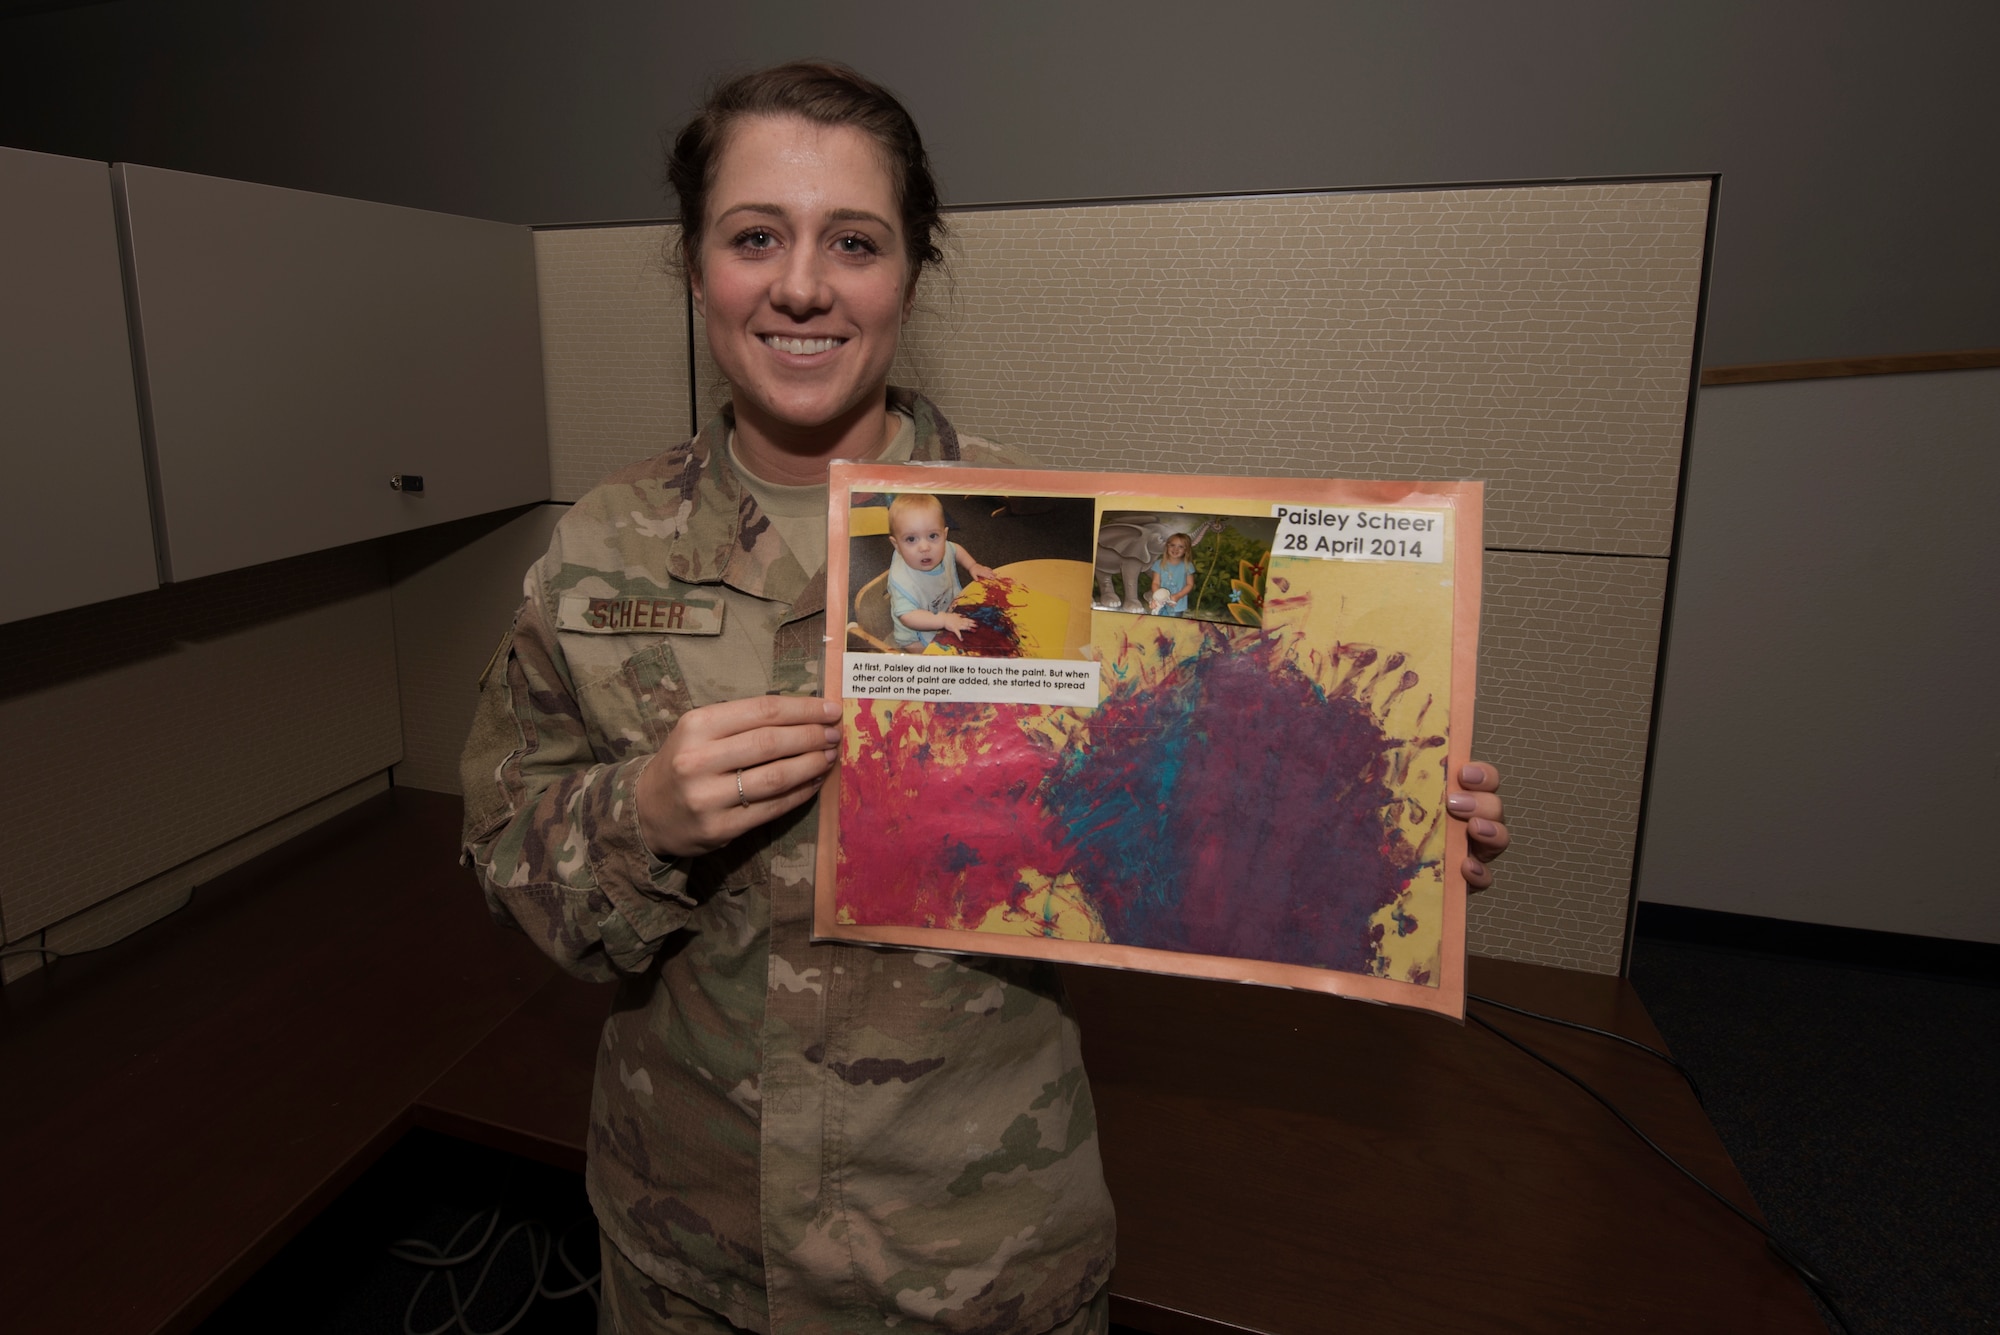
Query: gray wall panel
[(74, 522), (1854, 138), (1829, 739)]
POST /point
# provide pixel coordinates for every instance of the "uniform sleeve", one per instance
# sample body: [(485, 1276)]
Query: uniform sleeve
[(552, 829)]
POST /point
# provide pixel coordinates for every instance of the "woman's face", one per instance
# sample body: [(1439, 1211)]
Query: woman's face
[(802, 274)]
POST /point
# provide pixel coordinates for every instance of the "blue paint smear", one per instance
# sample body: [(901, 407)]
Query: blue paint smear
[(1241, 812)]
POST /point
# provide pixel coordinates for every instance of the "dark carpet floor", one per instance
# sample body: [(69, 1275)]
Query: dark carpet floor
[(1863, 1108), (338, 1277)]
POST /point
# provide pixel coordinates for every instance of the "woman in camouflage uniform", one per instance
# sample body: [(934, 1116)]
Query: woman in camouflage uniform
[(785, 1136)]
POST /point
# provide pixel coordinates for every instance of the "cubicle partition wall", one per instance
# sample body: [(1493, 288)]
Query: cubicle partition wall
[(210, 385), (1541, 338), (615, 366)]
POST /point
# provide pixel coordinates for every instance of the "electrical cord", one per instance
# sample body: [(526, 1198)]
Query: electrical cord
[(1661, 1053), (48, 954), (543, 1246), (419, 1251), (1820, 1288)]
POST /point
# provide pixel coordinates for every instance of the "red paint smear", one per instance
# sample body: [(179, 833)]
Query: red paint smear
[(928, 844)]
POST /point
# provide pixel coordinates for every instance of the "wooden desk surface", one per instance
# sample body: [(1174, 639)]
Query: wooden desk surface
[(1282, 1162), (1296, 1163), (180, 1104)]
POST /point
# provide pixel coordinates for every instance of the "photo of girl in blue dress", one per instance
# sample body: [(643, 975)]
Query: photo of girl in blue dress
[(1202, 567)]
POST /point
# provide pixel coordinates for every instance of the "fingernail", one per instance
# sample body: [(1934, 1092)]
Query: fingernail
[(833, 737), (1460, 804), (1472, 774), (1483, 829), (830, 709)]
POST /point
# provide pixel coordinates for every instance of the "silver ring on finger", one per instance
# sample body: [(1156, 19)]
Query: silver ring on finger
[(742, 798)]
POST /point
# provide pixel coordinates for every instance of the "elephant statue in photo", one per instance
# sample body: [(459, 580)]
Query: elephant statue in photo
[(1129, 544)]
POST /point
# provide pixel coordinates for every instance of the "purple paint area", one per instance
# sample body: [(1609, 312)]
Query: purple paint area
[(1243, 811), (1227, 798)]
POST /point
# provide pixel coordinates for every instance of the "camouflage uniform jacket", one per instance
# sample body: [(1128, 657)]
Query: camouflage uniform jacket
[(802, 1137)]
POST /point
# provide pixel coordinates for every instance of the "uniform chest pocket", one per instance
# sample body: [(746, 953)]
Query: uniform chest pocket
[(630, 708)]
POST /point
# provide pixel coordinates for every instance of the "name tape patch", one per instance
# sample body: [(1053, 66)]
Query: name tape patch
[(638, 616)]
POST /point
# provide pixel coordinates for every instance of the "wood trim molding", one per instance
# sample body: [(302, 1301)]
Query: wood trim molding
[(1972, 360)]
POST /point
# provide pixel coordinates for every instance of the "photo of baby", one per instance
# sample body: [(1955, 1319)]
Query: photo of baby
[(923, 572), (983, 576), (1204, 567)]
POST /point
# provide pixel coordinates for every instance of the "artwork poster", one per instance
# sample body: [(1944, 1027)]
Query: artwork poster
[(1190, 725)]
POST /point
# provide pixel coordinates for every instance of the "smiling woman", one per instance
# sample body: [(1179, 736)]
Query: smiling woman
[(801, 271), (786, 1135)]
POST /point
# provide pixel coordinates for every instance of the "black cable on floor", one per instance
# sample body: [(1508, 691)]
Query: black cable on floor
[(1779, 1248), (1661, 1053), (543, 1243)]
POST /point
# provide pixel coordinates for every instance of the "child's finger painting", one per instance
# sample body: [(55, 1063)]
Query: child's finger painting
[(1281, 673)]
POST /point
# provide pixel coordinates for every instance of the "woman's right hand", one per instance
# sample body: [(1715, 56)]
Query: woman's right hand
[(730, 767)]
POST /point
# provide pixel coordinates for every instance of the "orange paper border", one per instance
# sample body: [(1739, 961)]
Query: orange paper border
[(1467, 502)]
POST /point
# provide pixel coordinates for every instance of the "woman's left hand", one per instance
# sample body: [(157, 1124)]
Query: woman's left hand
[(1476, 801)]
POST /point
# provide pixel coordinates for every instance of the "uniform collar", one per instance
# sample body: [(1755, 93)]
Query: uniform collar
[(728, 539)]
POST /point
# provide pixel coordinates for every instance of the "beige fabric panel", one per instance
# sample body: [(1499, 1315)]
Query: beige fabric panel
[(1568, 646), (450, 616), (147, 902), (1536, 337), (150, 761), (614, 350)]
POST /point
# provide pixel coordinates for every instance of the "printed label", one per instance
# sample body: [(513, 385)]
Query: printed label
[(1336, 533), (637, 616), (1013, 681)]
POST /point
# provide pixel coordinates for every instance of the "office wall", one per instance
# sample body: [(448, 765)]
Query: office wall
[(455, 595), (1537, 338), (614, 350), (1853, 139), (1853, 142), (1829, 739), (156, 740)]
